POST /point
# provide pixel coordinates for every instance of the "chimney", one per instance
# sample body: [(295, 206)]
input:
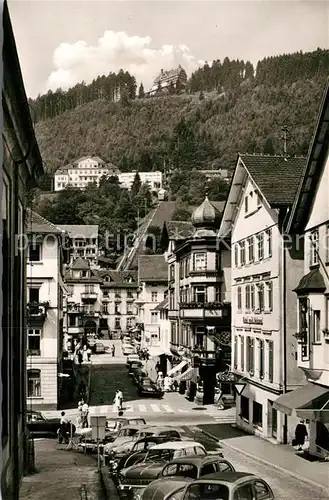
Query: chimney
[(162, 72)]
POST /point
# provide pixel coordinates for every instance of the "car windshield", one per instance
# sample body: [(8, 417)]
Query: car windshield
[(160, 455), (207, 491), (127, 432)]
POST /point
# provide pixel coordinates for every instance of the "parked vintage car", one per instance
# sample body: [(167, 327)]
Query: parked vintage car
[(131, 358), (123, 446), (229, 486), (39, 425), (147, 388), (138, 476), (128, 349), (138, 376), (162, 489), (133, 366), (138, 452), (195, 467)]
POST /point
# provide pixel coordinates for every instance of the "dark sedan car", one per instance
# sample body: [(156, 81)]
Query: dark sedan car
[(39, 425), (138, 375), (148, 388), (228, 486), (134, 366)]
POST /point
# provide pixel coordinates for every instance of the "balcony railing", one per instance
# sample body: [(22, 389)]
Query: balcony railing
[(202, 305), (205, 310), (82, 310), (37, 308), (33, 352), (89, 295)]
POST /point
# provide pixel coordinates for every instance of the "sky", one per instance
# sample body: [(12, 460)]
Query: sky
[(61, 43)]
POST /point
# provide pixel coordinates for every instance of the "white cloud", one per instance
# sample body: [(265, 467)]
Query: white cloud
[(79, 61)]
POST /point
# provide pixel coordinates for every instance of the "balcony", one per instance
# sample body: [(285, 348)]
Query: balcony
[(129, 299), (117, 298), (206, 311), (33, 352), (172, 314), (37, 312), (89, 295)]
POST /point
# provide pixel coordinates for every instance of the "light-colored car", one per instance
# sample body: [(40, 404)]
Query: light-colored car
[(134, 479), (128, 349), (228, 486), (131, 358)]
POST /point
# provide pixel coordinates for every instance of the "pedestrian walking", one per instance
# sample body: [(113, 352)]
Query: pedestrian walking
[(300, 435), (89, 353), (118, 400), (167, 382), (113, 350), (84, 415), (80, 358)]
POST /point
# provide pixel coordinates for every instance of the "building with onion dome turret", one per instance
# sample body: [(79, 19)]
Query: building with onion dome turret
[(199, 298)]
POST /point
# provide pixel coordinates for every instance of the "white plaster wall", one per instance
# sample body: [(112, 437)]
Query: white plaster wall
[(320, 209)]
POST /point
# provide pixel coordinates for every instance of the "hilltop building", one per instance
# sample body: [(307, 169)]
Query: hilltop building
[(45, 289), (264, 273), (310, 218), (82, 172), (82, 242), (152, 179), (21, 169), (175, 78)]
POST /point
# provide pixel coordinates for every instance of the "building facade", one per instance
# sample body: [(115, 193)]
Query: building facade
[(82, 172), (118, 296), (309, 222), (83, 306), (152, 286), (45, 285), (21, 170), (83, 242), (152, 179), (199, 295), (264, 272), (174, 78)]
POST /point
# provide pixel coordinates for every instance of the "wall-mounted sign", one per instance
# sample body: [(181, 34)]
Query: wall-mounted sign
[(251, 320)]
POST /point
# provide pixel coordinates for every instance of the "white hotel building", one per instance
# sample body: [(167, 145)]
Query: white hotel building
[(264, 273), (152, 179)]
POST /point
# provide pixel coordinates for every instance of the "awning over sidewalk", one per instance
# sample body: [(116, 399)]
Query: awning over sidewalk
[(307, 397), (177, 368), (158, 351), (189, 374)]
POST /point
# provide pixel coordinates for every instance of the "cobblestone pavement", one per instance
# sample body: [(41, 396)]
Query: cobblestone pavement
[(61, 475)]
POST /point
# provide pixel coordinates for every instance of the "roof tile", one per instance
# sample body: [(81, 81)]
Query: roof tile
[(152, 268), (38, 224)]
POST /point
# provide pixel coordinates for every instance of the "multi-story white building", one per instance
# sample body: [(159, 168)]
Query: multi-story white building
[(152, 179), (309, 221), (118, 295), (82, 242), (44, 311), (83, 308), (82, 172), (153, 283), (264, 273)]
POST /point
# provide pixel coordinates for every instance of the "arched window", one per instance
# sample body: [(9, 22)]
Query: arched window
[(33, 383)]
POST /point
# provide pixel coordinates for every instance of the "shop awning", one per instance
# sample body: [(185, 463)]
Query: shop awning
[(158, 351), (177, 368), (303, 398), (189, 374)]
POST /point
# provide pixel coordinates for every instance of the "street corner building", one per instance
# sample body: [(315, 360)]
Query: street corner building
[(264, 273), (309, 218), (21, 170)]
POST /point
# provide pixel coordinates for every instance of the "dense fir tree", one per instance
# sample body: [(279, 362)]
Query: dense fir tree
[(141, 92), (136, 185), (268, 146)]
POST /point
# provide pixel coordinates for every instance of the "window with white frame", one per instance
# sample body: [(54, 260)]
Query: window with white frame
[(316, 326), (200, 294), (117, 323), (314, 248), (268, 243), (200, 261), (154, 318), (35, 253), (33, 383), (236, 255), (270, 360), (239, 298), (242, 253), (105, 309), (250, 242), (154, 296), (261, 358), (250, 355), (130, 322), (242, 353), (247, 300), (34, 342), (260, 246), (235, 357), (252, 297), (269, 296), (260, 296)]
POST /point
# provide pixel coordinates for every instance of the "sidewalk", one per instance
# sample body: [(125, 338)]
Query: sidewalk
[(281, 457), (61, 475)]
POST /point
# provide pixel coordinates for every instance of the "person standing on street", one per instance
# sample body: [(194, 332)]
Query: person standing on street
[(113, 350), (89, 354), (300, 435)]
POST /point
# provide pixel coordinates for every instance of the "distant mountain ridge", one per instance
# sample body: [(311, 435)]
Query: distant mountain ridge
[(227, 107)]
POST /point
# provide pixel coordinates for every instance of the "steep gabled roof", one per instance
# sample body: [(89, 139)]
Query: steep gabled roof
[(38, 224), (80, 264), (152, 268), (276, 176), (179, 230), (313, 169), (118, 278)]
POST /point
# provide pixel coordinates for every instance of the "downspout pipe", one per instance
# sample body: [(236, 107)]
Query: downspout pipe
[(284, 318)]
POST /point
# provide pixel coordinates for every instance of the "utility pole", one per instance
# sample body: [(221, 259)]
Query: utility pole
[(284, 137)]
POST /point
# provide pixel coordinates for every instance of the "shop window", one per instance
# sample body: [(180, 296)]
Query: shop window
[(33, 383), (244, 407), (257, 417)]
